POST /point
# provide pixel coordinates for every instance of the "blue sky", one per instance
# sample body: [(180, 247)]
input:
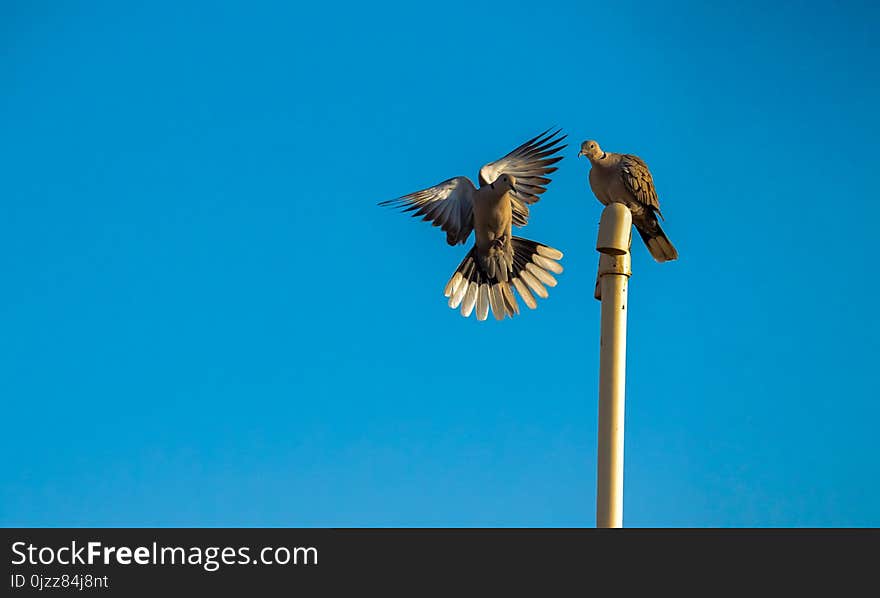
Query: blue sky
[(207, 321)]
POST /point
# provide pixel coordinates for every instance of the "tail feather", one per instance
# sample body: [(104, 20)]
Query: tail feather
[(524, 292), (473, 288), (483, 302), (658, 243), (496, 300), (470, 299), (510, 303)]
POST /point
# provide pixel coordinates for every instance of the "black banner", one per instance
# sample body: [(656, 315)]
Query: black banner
[(128, 562)]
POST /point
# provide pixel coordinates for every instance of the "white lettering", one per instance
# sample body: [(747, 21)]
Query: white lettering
[(19, 553), (142, 555)]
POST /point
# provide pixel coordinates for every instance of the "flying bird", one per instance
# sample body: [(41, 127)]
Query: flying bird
[(624, 178), (498, 261)]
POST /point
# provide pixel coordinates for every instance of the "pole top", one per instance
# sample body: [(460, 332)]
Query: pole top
[(614, 241), (615, 230)]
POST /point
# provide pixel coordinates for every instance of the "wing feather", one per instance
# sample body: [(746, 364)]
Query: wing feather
[(638, 180), (529, 164), (448, 205)]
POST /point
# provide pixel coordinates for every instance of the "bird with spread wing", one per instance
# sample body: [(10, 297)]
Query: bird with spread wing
[(498, 262)]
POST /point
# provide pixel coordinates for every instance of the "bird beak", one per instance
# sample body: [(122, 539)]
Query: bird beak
[(581, 153)]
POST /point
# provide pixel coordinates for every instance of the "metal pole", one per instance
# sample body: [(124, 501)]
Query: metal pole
[(615, 235)]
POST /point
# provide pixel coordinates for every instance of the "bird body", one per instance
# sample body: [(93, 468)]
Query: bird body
[(626, 179), (493, 218), (607, 184), (498, 262)]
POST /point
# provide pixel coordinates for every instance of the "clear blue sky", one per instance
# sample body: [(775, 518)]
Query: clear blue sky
[(205, 319)]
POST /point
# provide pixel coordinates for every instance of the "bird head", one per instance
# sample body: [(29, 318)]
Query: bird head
[(591, 150), (504, 183)]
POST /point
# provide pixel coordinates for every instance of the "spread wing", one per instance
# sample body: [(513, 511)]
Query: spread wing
[(448, 205), (529, 163), (639, 182)]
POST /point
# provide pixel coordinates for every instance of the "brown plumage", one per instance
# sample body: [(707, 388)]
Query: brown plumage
[(626, 179), (498, 261)]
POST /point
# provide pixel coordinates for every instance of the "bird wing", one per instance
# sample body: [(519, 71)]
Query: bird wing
[(529, 163), (638, 180), (448, 205)]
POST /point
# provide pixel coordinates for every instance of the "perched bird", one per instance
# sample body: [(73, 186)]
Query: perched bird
[(498, 261), (625, 179)]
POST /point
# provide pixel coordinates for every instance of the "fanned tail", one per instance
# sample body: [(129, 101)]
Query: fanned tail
[(471, 288)]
